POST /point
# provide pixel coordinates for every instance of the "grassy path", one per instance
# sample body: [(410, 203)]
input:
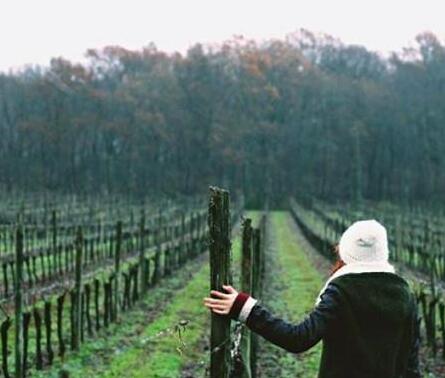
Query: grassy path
[(292, 286)]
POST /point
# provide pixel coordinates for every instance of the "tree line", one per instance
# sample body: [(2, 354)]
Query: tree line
[(307, 114)]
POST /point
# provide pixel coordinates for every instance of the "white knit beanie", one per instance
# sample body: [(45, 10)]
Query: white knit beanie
[(364, 248), (364, 242)]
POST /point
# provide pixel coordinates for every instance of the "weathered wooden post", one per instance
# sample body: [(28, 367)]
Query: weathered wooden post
[(264, 238), (220, 274), (442, 325), (38, 340), (246, 286), (19, 371), (183, 250), (54, 239), (255, 291), (256, 244), (142, 275), (48, 332), (117, 269), (4, 327), (157, 257), (78, 291), (60, 301)]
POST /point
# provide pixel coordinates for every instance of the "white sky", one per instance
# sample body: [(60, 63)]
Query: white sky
[(33, 31)]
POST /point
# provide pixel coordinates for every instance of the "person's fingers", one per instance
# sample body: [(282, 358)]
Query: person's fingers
[(208, 299), (219, 294), (229, 288), (221, 312), (216, 300), (215, 306), (218, 306)]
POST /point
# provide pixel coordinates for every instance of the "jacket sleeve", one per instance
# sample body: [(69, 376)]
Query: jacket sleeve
[(298, 337), (413, 369)]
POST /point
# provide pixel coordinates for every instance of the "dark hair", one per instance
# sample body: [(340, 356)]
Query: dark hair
[(338, 261)]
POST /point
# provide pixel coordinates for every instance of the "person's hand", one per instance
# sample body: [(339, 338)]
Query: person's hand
[(223, 301)]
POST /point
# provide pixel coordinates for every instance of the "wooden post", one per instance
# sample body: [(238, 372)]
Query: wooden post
[(157, 257), (220, 259), (142, 275), (19, 372), (60, 301), (4, 327), (38, 343), (183, 249), (54, 239), (246, 256), (78, 291), (48, 332), (117, 269), (264, 228), (26, 322), (256, 256), (246, 286), (256, 244)]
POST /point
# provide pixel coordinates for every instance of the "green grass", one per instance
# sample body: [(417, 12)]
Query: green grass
[(299, 284), (96, 355), (161, 357)]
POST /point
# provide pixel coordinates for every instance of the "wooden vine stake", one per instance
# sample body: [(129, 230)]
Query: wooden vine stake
[(157, 259), (246, 286), (19, 371), (220, 274), (143, 272), (78, 291), (54, 238), (117, 269), (255, 291)]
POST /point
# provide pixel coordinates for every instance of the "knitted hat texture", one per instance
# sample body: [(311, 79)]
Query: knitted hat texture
[(364, 241)]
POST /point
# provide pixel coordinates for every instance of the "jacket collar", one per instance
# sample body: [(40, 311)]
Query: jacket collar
[(357, 268)]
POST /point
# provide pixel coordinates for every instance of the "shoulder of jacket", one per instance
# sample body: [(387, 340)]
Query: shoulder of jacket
[(365, 276), (332, 293)]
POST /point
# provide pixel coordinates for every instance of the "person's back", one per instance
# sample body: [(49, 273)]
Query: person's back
[(374, 330)]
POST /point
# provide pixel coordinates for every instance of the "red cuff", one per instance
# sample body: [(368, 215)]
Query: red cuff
[(240, 299)]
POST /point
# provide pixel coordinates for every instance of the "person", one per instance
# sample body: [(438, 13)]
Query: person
[(366, 314)]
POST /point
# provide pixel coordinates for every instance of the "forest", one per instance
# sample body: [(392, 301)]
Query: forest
[(304, 114)]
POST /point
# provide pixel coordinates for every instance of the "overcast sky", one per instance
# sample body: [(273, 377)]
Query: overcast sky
[(33, 31)]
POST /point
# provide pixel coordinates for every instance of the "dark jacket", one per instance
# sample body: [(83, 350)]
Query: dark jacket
[(368, 324)]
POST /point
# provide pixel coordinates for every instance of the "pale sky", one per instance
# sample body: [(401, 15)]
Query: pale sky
[(34, 31)]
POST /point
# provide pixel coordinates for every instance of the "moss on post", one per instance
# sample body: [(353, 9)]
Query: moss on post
[(220, 274)]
